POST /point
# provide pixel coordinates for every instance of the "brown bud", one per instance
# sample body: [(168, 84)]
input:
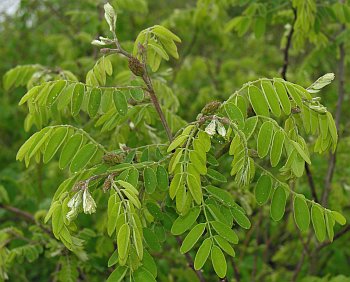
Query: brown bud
[(136, 67), (112, 158), (211, 107), (107, 185)]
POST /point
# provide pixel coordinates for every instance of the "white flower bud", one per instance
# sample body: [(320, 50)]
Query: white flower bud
[(110, 16), (221, 129), (89, 205), (210, 129), (98, 43)]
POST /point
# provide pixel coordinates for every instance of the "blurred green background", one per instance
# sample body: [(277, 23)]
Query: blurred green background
[(224, 44)]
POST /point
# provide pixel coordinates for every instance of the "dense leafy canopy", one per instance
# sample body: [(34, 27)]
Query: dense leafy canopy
[(170, 148)]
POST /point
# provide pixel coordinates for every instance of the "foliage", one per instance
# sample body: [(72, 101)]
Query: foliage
[(140, 171)]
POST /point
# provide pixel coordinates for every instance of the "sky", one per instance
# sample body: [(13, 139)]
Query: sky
[(8, 6)]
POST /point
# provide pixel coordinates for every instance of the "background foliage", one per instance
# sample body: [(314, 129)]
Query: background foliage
[(224, 45)]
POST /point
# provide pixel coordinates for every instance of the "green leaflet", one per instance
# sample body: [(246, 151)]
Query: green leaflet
[(264, 138), (240, 218), (225, 232), (44, 135), (56, 140), (318, 222), (271, 97), (151, 240), (258, 101), (333, 130), (203, 253), (137, 94), (143, 275), (162, 178), (183, 223), (154, 210), (27, 145), (65, 97), (195, 188), (219, 262), (94, 102), (294, 93), (192, 238), (301, 213), (149, 263), (213, 174), (120, 102), (224, 245), (283, 97), (77, 98), (179, 141), (330, 224), (276, 148), (83, 157), (118, 274), (123, 240), (263, 189), (302, 152), (70, 149), (198, 162), (250, 126), (220, 194), (113, 259), (137, 240), (339, 217), (278, 203), (234, 113), (150, 180)]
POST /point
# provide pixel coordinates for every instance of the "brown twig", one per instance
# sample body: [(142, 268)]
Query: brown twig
[(341, 93), (147, 80), (26, 215), (190, 262), (287, 48)]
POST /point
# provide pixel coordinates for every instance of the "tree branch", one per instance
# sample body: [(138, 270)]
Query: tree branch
[(147, 80), (341, 91), (190, 262), (26, 215), (287, 48)]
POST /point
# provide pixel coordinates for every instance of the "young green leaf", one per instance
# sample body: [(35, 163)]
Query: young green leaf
[(263, 189), (162, 178), (70, 149), (203, 253), (301, 213), (225, 231), (264, 138), (56, 140), (83, 157), (241, 218), (276, 148), (219, 262), (283, 97), (77, 99), (278, 203), (217, 176), (123, 240), (224, 245), (118, 274), (271, 97), (150, 180), (192, 238), (258, 101), (183, 223), (94, 101), (318, 222), (120, 102)]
